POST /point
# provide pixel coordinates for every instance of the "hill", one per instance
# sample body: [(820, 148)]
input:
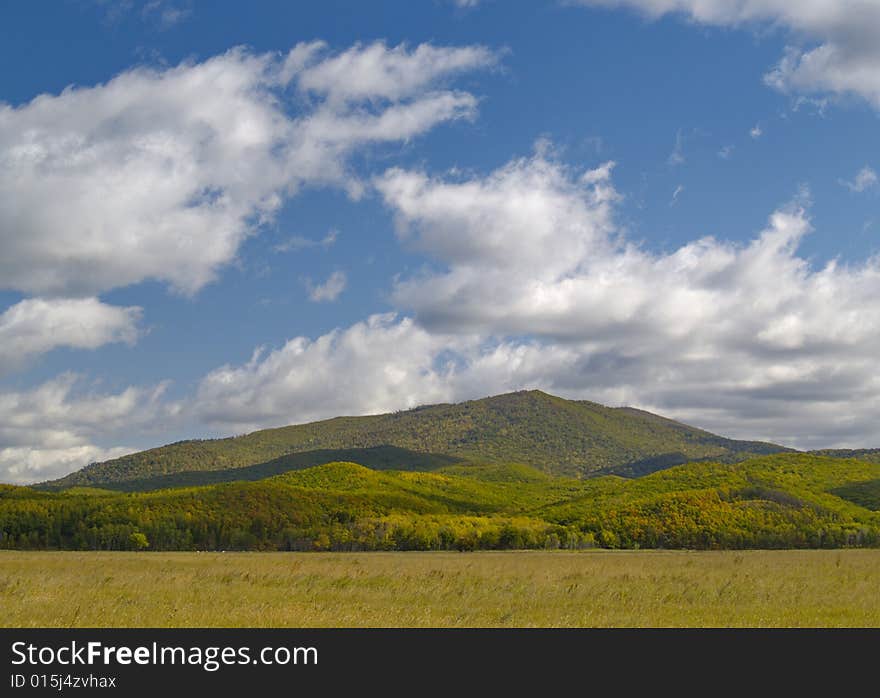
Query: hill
[(776, 501), (561, 437), (375, 457)]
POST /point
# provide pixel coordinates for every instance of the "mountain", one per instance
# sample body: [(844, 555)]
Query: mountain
[(789, 500), (560, 437)]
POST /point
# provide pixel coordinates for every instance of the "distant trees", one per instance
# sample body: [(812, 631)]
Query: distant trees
[(138, 541), (772, 502)]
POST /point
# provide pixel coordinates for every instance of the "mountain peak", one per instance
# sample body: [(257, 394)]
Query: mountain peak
[(532, 427)]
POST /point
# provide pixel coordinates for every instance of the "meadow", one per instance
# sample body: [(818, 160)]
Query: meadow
[(596, 588)]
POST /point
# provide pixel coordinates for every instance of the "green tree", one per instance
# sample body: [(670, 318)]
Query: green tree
[(138, 541)]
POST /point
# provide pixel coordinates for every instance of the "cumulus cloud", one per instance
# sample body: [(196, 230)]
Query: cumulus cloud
[(376, 71), (746, 338), (535, 287), (329, 290), (837, 49), (37, 325), (381, 364), (865, 179), (26, 465), (160, 174), (385, 363), (507, 237), (756, 132), (388, 363), (51, 429)]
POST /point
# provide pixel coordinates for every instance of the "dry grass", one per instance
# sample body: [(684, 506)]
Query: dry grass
[(504, 589)]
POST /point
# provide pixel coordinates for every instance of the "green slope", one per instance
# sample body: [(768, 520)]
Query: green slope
[(776, 501), (375, 457), (561, 437)]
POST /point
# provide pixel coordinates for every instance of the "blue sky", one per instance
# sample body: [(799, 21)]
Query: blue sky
[(213, 223)]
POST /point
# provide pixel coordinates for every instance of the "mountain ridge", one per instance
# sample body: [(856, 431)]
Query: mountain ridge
[(575, 438)]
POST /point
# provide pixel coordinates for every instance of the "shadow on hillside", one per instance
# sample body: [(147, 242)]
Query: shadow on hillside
[(376, 458)]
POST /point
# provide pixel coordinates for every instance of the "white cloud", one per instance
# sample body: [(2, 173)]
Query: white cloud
[(756, 132), (160, 174), (506, 238), (388, 363), (164, 13), (675, 194), (748, 339), (837, 51), (26, 465), (298, 242), (168, 14), (329, 290), (818, 105), (373, 366), (375, 71), (382, 364), (530, 214), (676, 157), (725, 152), (36, 325), (49, 430), (865, 179)]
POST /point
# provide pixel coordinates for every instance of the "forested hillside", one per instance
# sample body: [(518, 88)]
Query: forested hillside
[(561, 437), (777, 501)]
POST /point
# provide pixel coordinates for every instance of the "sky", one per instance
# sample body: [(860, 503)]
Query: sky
[(217, 217)]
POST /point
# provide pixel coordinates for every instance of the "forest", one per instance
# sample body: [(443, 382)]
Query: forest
[(785, 500)]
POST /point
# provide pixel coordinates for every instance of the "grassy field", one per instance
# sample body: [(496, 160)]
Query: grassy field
[(492, 589)]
